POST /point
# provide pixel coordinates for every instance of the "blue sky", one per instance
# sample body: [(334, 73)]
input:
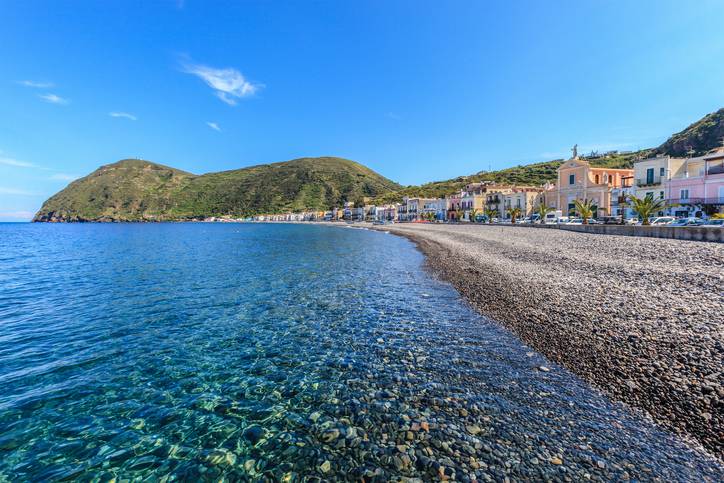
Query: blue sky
[(417, 90)]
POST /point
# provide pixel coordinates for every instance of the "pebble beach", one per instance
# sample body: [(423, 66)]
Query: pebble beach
[(641, 319)]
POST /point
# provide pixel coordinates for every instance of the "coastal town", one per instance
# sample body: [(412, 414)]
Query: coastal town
[(687, 191)]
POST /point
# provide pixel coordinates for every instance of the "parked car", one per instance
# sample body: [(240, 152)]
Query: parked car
[(611, 220), (718, 223), (632, 221), (663, 220), (575, 221), (562, 220), (687, 222)]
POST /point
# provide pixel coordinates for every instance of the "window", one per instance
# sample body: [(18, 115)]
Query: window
[(650, 194), (650, 176), (662, 171), (684, 194), (597, 179), (572, 179), (661, 195)]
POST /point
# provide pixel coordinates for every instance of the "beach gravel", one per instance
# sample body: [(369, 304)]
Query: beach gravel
[(642, 319)]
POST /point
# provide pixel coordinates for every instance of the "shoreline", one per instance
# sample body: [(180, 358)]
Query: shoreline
[(658, 352)]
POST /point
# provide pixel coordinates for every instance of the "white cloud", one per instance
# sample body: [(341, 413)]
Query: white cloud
[(53, 99), (123, 114), (36, 84), (13, 191), (15, 162), (64, 177), (213, 126), (228, 84)]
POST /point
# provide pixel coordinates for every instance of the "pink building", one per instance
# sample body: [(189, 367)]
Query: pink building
[(697, 187)]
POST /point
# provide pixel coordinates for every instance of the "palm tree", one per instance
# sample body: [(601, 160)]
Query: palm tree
[(475, 214), (514, 213), (646, 206), (490, 213), (584, 209), (458, 214), (542, 209)]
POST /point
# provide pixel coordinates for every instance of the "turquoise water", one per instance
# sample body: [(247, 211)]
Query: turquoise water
[(282, 352)]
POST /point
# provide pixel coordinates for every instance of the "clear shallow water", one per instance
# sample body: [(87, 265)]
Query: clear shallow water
[(281, 352)]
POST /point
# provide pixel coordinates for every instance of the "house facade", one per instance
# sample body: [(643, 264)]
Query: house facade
[(577, 180), (651, 176), (524, 198), (697, 187)]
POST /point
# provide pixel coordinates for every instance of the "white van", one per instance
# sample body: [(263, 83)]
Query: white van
[(552, 217)]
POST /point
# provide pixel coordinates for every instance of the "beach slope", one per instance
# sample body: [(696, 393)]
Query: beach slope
[(639, 318)]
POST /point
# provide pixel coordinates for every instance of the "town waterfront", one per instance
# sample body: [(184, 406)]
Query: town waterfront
[(251, 351)]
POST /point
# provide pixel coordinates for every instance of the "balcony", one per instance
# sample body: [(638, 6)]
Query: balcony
[(643, 182), (686, 201), (715, 169)]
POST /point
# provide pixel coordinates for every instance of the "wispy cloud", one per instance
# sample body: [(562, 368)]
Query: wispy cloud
[(228, 84), (36, 84), (124, 115), (64, 177), (17, 192), (393, 116), (53, 99), (213, 126), (17, 163)]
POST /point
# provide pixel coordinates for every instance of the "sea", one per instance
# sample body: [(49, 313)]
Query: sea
[(284, 352)]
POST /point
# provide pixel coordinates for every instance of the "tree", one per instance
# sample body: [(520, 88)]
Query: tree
[(475, 214), (584, 208), (542, 209), (514, 214), (458, 214), (490, 213), (646, 206)]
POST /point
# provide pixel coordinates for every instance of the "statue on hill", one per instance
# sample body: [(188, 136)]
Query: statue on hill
[(575, 151)]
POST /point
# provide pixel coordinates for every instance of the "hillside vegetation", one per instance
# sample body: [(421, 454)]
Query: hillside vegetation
[(700, 137), (137, 190)]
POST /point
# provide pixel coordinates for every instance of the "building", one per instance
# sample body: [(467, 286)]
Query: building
[(697, 187), (453, 206), (435, 208), (495, 199), (619, 198), (651, 176), (577, 180), (524, 197), (386, 212)]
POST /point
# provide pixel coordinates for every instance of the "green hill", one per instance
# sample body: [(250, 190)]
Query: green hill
[(700, 137), (136, 190)]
